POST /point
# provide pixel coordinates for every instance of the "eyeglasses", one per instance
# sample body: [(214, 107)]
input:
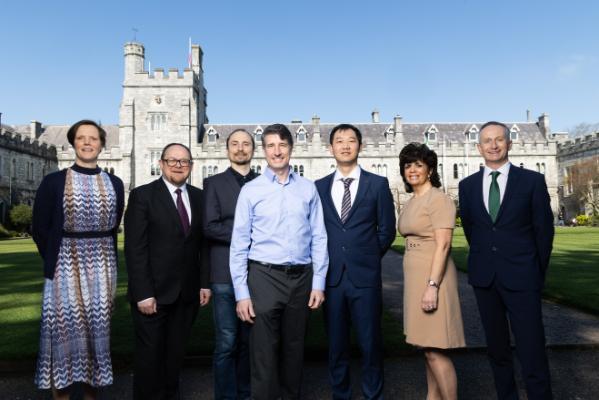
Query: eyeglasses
[(171, 162)]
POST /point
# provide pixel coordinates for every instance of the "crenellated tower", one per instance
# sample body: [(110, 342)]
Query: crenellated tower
[(158, 108)]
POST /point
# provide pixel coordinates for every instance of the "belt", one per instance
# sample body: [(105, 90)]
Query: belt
[(87, 234), (287, 268)]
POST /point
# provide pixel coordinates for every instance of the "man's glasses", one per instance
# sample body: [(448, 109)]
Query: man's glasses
[(171, 162)]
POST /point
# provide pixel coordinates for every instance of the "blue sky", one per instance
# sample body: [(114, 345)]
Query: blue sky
[(267, 61)]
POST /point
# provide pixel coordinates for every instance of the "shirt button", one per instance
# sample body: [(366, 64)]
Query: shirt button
[(494, 248), (343, 248)]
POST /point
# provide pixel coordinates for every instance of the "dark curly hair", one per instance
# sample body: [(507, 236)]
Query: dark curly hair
[(419, 152)]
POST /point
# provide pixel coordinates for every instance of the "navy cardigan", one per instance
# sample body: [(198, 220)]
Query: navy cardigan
[(48, 216)]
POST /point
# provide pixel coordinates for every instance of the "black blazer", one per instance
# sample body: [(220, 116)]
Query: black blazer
[(161, 261), (516, 248), (220, 197), (48, 215), (369, 230)]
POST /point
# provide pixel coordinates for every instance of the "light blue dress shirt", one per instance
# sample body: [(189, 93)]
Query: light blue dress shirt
[(278, 223)]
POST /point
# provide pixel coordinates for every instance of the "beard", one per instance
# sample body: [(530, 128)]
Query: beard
[(244, 161)]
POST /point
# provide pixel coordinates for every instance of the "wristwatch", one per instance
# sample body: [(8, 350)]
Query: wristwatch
[(433, 283)]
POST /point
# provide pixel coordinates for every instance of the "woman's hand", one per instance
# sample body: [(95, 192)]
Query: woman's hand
[(429, 299)]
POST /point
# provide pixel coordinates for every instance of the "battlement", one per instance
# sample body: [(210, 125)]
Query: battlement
[(578, 145), (11, 139), (137, 75)]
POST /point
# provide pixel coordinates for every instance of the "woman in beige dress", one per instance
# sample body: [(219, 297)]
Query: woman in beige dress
[(432, 316)]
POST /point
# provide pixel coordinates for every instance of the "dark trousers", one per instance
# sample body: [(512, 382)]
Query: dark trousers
[(496, 305), (159, 349), (280, 300), (231, 362), (348, 305)]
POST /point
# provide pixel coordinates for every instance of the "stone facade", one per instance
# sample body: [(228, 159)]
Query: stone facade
[(578, 160), (158, 108), (24, 160)]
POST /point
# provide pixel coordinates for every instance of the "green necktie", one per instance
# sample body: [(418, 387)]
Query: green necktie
[(494, 196)]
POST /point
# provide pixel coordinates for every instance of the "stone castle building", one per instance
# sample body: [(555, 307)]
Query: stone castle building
[(578, 161), (24, 160), (159, 107)]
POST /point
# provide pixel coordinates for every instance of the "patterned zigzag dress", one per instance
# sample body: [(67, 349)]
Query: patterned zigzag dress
[(78, 302)]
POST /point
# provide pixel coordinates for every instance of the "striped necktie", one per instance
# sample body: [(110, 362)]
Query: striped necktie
[(346, 202), (494, 196)]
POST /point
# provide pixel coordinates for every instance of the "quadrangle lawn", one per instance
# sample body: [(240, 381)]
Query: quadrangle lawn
[(20, 307), (573, 279)]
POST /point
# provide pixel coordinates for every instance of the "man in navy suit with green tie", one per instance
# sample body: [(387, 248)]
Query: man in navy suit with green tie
[(508, 223)]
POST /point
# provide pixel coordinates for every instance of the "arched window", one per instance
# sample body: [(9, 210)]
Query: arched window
[(259, 169), (301, 135), (112, 170), (379, 169), (204, 172), (543, 168), (215, 171), (440, 171), (538, 167), (455, 171), (481, 166), (258, 134), (301, 170), (210, 173), (332, 167), (154, 165), (212, 135), (385, 170), (521, 165)]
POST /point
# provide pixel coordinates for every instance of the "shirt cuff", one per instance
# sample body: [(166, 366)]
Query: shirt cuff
[(318, 282), (242, 292)]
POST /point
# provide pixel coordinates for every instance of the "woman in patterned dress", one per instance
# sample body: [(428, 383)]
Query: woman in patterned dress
[(432, 315), (76, 216)]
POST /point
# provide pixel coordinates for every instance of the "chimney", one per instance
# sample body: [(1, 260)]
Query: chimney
[(397, 124), (35, 129), (527, 115), (544, 125), (316, 128), (375, 116)]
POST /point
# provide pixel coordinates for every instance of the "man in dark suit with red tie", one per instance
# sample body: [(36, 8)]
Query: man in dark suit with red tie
[(163, 236), (508, 222), (360, 220)]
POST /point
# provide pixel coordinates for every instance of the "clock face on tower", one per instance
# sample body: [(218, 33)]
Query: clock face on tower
[(158, 99)]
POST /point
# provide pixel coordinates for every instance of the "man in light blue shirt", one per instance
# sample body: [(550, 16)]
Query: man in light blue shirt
[(278, 263)]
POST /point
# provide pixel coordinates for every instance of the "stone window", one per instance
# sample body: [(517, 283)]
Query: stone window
[(431, 134), (212, 170), (212, 135), (455, 171), (256, 168), (301, 135), (258, 135), (157, 121), (521, 165), (473, 134), (440, 171), (154, 166), (14, 168), (514, 133)]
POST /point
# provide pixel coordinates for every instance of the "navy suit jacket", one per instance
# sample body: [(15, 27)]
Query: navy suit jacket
[(515, 249), (367, 234)]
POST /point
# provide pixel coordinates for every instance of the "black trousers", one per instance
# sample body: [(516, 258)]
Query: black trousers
[(280, 299), (159, 349), (523, 308)]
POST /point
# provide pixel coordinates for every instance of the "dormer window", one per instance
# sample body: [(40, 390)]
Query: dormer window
[(431, 134), (212, 135), (514, 132), (390, 135), (301, 135), (258, 134), (472, 134)]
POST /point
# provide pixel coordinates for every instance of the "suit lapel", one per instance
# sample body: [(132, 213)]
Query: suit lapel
[(363, 184), (478, 196), (193, 201), (512, 182), (327, 200), (232, 183)]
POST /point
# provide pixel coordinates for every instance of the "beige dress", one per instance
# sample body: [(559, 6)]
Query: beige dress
[(442, 328)]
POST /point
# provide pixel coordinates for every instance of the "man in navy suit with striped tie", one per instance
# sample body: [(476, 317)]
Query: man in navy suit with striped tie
[(360, 220)]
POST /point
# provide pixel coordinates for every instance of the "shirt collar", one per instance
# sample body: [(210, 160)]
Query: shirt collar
[(355, 174), (503, 170), (171, 188), (272, 177)]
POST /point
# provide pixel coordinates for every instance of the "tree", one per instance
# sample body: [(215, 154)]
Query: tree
[(583, 184), (20, 216)]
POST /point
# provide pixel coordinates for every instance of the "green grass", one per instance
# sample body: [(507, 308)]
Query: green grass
[(573, 275), (20, 307)]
